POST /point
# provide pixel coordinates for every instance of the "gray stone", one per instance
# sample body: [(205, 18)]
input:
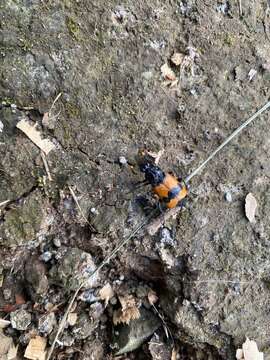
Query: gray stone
[(46, 323), (20, 319)]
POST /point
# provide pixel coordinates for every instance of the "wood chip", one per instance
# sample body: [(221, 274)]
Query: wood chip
[(239, 354), (33, 134), (12, 352), (36, 349), (72, 318), (177, 58), (249, 351), (174, 354), (5, 344), (106, 293), (4, 323), (250, 207), (167, 72)]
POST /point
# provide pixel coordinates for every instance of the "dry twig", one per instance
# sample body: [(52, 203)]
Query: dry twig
[(78, 205), (43, 156), (4, 202)]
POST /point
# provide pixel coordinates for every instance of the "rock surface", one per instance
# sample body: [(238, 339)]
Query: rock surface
[(104, 57)]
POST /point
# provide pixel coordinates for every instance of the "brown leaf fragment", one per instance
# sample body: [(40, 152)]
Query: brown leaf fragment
[(128, 312), (250, 207), (36, 349), (106, 293), (167, 72)]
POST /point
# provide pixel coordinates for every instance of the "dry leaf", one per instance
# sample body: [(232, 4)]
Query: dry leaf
[(72, 318), (250, 207), (30, 130), (4, 323), (177, 58), (167, 72), (152, 297), (106, 293), (249, 351), (128, 312), (36, 349)]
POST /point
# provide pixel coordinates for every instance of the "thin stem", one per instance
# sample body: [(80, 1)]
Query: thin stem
[(236, 132)]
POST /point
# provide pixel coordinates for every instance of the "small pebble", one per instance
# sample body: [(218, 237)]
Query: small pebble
[(181, 108), (57, 242), (46, 256), (7, 294), (228, 196), (122, 160), (88, 296), (113, 300), (96, 310), (94, 211), (46, 323), (166, 237), (122, 278)]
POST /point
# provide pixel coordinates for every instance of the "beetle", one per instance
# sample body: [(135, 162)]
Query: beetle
[(169, 189)]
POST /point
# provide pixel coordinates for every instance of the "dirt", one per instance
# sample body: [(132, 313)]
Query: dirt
[(209, 267)]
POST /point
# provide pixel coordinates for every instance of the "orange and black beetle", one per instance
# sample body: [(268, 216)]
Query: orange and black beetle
[(166, 186)]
